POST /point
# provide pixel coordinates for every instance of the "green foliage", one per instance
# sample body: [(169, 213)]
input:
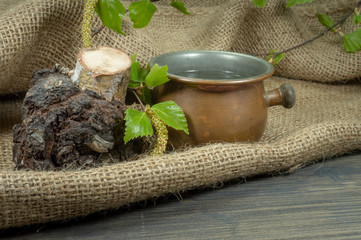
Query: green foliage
[(290, 3), (180, 7), (259, 3), (137, 73), (157, 76), (171, 114), (133, 58), (326, 21), (262, 3), (141, 79), (275, 60), (137, 124), (141, 12), (111, 13), (159, 115), (357, 18), (137, 81), (352, 41)]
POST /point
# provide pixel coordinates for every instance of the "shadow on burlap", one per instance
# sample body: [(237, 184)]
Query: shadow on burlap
[(324, 122)]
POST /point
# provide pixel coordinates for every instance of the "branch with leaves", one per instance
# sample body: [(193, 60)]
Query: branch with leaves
[(351, 41), (112, 13), (159, 116)]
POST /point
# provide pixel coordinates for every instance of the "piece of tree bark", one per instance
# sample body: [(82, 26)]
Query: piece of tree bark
[(63, 125)]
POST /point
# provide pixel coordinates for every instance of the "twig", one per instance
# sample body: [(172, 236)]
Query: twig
[(98, 30), (340, 22), (140, 102)]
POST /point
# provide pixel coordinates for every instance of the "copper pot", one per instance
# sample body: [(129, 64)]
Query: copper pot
[(221, 93)]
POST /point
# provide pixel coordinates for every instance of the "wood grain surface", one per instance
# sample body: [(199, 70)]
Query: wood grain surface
[(321, 201)]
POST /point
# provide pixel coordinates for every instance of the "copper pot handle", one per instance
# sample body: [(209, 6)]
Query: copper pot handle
[(284, 95)]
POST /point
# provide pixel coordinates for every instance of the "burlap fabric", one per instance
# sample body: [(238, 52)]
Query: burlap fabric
[(325, 121)]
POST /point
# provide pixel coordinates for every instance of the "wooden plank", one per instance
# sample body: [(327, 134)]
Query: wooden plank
[(321, 201)]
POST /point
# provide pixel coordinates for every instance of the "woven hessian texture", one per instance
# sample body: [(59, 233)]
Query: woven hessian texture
[(324, 122)]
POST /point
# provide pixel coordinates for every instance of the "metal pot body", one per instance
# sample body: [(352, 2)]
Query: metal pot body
[(217, 113), (221, 93)]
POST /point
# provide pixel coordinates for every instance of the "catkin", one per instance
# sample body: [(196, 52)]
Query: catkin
[(161, 131), (87, 22)]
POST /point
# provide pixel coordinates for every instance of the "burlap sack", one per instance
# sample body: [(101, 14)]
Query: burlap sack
[(325, 121)]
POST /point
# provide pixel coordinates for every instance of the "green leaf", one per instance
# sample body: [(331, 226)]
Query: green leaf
[(134, 72), (172, 115), (137, 73), (133, 58), (290, 3), (259, 3), (357, 18), (111, 13), (352, 41), (141, 12), (325, 21), (157, 76), (276, 59), (180, 7), (132, 84), (137, 124)]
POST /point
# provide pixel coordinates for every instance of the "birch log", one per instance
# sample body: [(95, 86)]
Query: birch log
[(102, 70)]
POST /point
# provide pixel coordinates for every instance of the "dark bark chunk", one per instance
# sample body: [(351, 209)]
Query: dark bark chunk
[(62, 125)]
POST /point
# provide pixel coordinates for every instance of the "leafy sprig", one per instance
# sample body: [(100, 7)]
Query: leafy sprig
[(112, 12), (274, 57), (161, 115), (351, 41)]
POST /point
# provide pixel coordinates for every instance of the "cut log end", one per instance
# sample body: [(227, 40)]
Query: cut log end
[(102, 70), (104, 61)]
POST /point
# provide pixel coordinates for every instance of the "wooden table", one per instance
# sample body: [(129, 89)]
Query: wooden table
[(321, 201)]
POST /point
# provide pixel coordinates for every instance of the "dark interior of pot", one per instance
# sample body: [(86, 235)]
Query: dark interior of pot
[(213, 65)]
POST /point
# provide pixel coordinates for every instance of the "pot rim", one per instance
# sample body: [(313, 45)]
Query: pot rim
[(200, 81)]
